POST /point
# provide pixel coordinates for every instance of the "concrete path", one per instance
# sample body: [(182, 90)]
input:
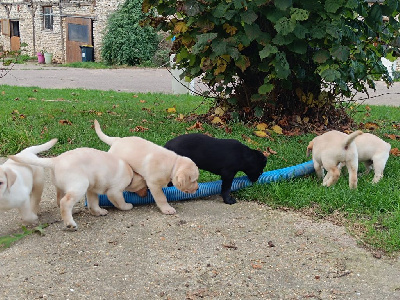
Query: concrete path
[(135, 80)]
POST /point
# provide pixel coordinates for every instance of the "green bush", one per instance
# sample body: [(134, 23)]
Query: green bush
[(125, 41), (293, 57)]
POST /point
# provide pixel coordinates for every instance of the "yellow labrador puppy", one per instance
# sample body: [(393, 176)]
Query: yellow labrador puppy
[(21, 186), (329, 150), (374, 153), (90, 171), (157, 165)]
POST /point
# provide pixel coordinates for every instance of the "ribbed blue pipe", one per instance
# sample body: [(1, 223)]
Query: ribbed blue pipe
[(214, 187)]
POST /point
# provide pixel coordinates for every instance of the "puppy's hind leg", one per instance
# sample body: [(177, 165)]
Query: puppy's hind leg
[(379, 163), (93, 204), (352, 168), (118, 200), (37, 190), (66, 205), (160, 199), (332, 176)]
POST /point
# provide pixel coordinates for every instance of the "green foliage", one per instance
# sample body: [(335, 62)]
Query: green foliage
[(7, 241), (125, 41), (270, 54)]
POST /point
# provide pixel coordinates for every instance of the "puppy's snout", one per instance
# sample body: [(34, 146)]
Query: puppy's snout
[(193, 190)]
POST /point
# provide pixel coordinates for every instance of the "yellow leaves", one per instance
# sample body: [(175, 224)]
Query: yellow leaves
[(277, 129), (262, 126), (261, 133), (217, 120), (229, 29), (222, 62), (171, 110), (180, 27), (219, 111)]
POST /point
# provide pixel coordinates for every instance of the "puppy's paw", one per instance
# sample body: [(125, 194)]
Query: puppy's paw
[(71, 226), (126, 206), (98, 212), (168, 210), (230, 200)]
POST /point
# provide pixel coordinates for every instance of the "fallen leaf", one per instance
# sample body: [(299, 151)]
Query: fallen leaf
[(392, 136), (198, 125), (260, 133), (219, 111), (139, 129), (180, 117), (395, 151), (262, 126), (271, 151), (371, 126), (171, 110), (65, 122), (142, 101), (217, 120), (277, 129)]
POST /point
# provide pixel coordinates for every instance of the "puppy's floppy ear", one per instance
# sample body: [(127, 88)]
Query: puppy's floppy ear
[(179, 181), (11, 177)]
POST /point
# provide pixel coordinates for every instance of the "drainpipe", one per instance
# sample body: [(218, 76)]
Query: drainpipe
[(33, 13), (62, 33)]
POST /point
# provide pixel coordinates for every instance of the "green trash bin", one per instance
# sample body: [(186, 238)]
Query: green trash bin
[(87, 53)]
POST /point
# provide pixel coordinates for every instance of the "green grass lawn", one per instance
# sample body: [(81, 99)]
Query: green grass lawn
[(372, 212)]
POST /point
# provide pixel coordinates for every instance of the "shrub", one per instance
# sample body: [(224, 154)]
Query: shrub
[(125, 41)]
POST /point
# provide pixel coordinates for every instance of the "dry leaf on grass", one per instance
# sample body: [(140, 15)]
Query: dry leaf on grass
[(198, 125), (139, 129), (65, 122), (395, 151)]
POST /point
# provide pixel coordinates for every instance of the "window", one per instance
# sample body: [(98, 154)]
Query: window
[(48, 17)]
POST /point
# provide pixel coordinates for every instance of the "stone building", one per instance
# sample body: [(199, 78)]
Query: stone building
[(55, 26)]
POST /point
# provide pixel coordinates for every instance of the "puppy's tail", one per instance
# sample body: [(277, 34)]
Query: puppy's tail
[(32, 159), (105, 138), (39, 148), (310, 148), (351, 138)]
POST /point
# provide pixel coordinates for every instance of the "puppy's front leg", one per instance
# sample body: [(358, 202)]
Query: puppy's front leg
[(93, 204), (28, 216), (226, 189), (160, 199)]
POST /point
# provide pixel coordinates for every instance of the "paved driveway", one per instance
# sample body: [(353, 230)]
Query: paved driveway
[(135, 80)]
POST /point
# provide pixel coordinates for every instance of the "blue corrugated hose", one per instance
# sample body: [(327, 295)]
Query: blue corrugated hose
[(214, 187)]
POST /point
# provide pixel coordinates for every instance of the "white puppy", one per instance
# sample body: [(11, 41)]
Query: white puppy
[(329, 150), (21, 186), (374, 153), (156, 164), (90, 171)]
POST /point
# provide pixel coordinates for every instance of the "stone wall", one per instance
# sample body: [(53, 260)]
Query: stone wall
[(31, 24)]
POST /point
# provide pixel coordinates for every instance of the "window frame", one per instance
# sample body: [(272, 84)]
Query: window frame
[(48, 18)]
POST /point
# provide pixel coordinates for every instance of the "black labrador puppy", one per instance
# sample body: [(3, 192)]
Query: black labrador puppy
[(224, 157)]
